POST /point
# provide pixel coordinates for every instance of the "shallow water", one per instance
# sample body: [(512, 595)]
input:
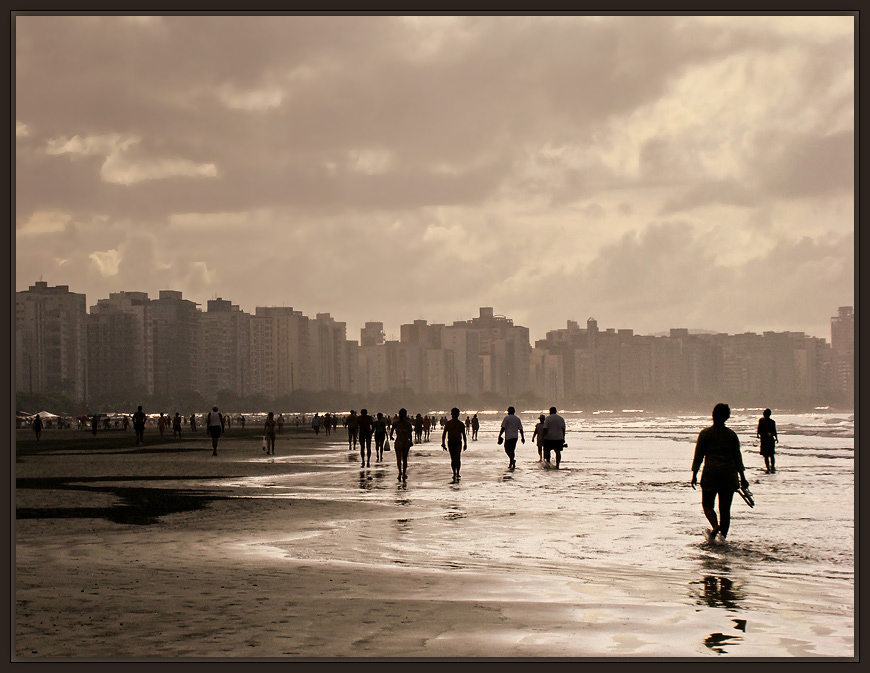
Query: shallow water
[(619, 516)]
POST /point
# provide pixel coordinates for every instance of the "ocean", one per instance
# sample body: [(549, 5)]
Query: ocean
[(619, 522)]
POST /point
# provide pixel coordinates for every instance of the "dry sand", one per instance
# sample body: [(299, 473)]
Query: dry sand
[(118, 556)]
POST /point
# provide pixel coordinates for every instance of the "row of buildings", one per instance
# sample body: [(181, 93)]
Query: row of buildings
[(132, 344)]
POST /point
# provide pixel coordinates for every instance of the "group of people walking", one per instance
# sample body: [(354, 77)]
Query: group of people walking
[(717, 450)]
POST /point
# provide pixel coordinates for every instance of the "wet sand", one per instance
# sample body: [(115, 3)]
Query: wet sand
[(166, 551)]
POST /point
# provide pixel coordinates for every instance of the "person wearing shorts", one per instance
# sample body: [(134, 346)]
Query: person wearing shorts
[(403, 430), (214, 422), (767, 440), (457, 441), (554, 436), (366, 425), (380, 437), (512, 429), (719, 449)]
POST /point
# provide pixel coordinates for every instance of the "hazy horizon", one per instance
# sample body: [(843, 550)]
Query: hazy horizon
[(650, 172)]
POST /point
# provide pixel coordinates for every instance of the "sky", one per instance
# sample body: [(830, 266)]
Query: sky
[(646, 171)]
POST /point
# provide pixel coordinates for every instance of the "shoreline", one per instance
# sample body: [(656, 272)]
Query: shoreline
[(218, 561)]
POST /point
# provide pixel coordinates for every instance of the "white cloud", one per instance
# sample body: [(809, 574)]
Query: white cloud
[(120, 170), (106, 262), (21, 130), (106, 145), (45, 222)]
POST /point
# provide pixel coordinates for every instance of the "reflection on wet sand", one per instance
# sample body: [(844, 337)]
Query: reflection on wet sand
[(719, 592), (718, 641)]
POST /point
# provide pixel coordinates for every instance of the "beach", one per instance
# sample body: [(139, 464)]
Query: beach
[(165, 551)]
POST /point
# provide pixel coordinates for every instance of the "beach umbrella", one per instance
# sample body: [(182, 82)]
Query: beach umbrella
[(47, 414)]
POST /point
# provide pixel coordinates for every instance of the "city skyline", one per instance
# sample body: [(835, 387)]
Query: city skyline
[(394, 334), (650, 172)]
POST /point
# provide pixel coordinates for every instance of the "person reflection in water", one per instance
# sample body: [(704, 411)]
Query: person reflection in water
[(719, 449)]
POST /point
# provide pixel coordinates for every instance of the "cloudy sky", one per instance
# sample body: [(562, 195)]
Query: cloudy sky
[(650, 172)]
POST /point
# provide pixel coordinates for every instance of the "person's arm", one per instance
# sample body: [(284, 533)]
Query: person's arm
[(775, 436), (443, 435), (464, 439), (522, 436), (500, 432), (697, 460)]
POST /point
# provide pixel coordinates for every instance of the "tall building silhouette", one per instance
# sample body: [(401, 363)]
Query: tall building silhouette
[(51, 341), (843, 350)]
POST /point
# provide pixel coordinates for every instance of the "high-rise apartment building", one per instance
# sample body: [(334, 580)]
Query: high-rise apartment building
[(223, 362), (120, 347), (175, 335), (51, 340), (280, 356), (843, 350)]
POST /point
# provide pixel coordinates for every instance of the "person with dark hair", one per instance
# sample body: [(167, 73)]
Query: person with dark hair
[(366, 425), (380, 437), (554, 436), (512, 429), (215, 424), (719, 449), (457, 441), (402, 443), (475, 426), (176, 425), (37, 426), (766, 432)]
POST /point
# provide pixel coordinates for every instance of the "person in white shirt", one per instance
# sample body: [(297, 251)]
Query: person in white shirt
[(554, 436), (512, 429), (214, 422)]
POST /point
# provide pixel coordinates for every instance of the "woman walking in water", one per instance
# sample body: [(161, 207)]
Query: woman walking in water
[(719, 449)]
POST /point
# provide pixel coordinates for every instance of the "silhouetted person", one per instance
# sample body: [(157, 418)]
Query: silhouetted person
[(315, 423), (37, 426), (269, 432), (193, 422), (161, 424), (418, 429), (475, 426), (554, 436), (402, 443), (366, 426), (176, 425), (512, 429), (457, 441), (380, 437), (280, 424), (766, 433), (719, 449), (215, 424), (95, 419), (538, 436), (352, 423), (139, 425)]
